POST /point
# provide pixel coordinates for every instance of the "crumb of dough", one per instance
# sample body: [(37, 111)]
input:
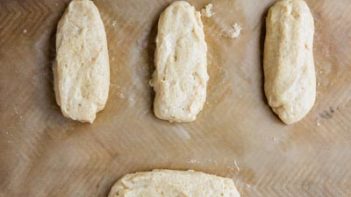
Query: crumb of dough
[(114, 23), (318, 123), (235, 31), (207, 11), (151, 83)]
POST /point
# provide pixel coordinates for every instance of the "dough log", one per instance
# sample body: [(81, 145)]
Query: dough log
[(290, 79), (81, 71), (169, 183), (180, 78)]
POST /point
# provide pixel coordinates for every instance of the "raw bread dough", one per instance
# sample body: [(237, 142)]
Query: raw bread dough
[(290, 79), (180, 78), (81, 71), (171, 183)]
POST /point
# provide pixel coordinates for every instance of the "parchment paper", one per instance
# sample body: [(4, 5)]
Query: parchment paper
[(236, 135)]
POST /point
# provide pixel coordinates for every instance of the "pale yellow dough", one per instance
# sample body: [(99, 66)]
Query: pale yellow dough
[(180, 78), (290, 79), (169, 183), (81, 71)]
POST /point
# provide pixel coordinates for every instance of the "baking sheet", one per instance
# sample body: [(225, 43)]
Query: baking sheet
[(236, 135)]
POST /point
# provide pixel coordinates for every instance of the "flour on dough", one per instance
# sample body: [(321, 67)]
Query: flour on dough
[(169, 183), (180, 78), (81, 71)]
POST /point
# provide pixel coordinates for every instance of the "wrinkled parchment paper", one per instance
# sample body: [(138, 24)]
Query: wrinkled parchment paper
[(236, 135)]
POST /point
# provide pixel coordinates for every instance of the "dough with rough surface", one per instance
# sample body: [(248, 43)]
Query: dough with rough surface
[(180, 78), (169, 183), (290, 79), (81, 71)]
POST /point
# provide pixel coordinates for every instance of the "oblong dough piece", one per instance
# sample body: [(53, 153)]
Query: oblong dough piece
[(171, 183), (82, 70), (180, 78), (290, 79)]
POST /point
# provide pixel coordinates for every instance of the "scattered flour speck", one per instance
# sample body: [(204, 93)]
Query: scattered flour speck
[(207, 11), (235, 31), (121, 95), (182, 133), (131, 100), (193, 161), (114, 23), (237, 166)]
